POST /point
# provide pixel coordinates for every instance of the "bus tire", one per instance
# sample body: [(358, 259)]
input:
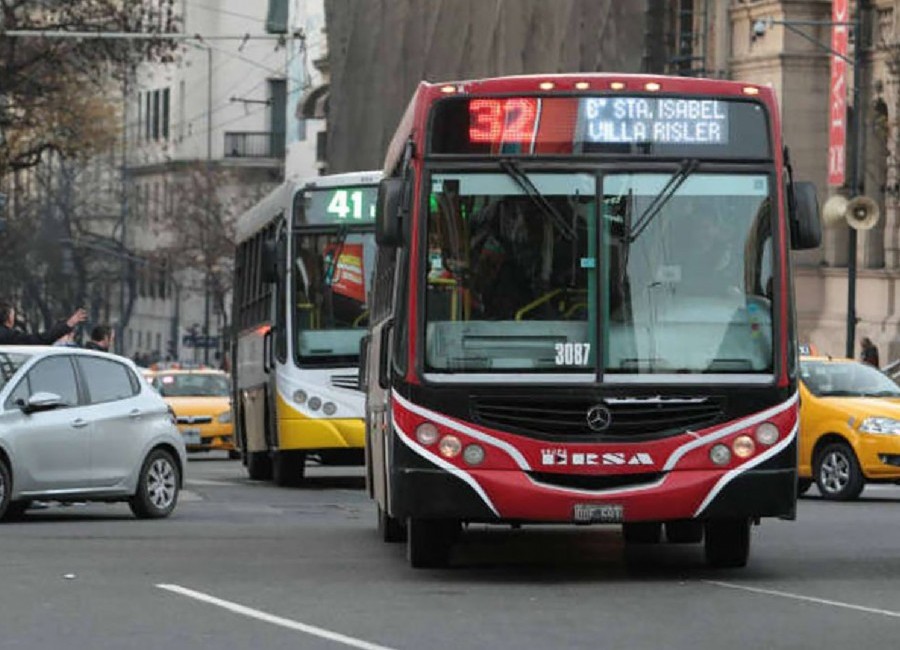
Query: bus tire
[(838, 475), (685, 531), (390, 529), (288, 468), (259, 465), (428, 542), (642, 532), (727, 543)]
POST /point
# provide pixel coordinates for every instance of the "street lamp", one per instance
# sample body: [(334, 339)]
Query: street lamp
[(857, 167)]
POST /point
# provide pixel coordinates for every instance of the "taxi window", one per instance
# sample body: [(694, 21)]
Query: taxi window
[(191, 385)]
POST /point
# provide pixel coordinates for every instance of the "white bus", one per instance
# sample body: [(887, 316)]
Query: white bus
[(303, 265)]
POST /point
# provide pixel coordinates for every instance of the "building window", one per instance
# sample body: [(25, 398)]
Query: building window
[(277, 17)]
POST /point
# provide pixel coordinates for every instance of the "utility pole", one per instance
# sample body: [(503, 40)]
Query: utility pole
[(123, 217), (206, 260)]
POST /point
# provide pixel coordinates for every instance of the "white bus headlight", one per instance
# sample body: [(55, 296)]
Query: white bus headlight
[(426, 433), (450, 446), (766, 434), (880, 425), (314, 403), (473, 454), (300, 396), (329, 408), (720, 454)]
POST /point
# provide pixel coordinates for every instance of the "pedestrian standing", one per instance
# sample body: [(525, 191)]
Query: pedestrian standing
[(9, 335), (869, 352)]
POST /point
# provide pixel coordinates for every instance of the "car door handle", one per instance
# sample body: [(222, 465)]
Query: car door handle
[(79, 423), (134, 414)]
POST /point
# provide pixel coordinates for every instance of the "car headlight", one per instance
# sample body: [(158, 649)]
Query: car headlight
[(224, 418), (880, 425)]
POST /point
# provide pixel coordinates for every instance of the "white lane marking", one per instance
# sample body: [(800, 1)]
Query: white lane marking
[(808, 599), (274, 620), (187, 496)]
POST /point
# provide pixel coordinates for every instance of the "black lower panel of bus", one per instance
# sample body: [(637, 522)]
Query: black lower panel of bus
[(757, 493)]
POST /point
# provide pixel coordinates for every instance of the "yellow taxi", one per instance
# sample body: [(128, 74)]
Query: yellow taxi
[(201, 400), (849, 427)]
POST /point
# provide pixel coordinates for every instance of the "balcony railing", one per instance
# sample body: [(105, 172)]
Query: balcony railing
[(254, 144)]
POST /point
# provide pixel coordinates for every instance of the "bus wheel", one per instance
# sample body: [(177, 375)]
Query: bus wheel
[(390, 529), (727, 542), (288, 468), (642, 532), (428, 542), (803, 485), (686, 531), (259, 465), (838, 475)]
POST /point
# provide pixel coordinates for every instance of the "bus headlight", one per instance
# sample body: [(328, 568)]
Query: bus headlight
[(720, 455), (300, 396), (766, 434), (224, 418), (450, 446), (426, 433), (314, 404), (473, 454), (329, 408), (743, 446)]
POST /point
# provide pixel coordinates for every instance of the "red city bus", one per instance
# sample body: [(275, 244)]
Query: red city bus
[(583, 312)]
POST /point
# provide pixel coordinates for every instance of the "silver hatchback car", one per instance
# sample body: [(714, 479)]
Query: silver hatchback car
[(77, 425)]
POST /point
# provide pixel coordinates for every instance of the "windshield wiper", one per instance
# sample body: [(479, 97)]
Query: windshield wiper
[(688, 166), (514, 171), (342, 233)]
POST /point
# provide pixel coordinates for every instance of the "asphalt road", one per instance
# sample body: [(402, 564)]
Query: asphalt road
[(243, 565)]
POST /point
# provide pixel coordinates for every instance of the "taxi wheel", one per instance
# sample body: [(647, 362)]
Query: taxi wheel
[(838, 475)]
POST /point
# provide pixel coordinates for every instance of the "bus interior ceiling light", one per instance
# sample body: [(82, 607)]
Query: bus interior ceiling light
[(426, 433), (450, 446), (743, 446)]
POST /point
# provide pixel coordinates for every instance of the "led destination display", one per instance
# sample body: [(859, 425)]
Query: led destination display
[(659, 120)]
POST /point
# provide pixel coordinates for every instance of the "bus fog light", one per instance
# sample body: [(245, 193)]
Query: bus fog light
[(450, 446), (720, 455), (743, 446), (314, 403), (329, 408), (426, 433), (300, 396), (473, 454), (766, 434)]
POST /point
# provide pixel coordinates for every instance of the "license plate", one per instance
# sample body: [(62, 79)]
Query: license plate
[(599, 513), (191, 436)]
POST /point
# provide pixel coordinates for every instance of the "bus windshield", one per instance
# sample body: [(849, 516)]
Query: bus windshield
[(331, 294), (644, 276)]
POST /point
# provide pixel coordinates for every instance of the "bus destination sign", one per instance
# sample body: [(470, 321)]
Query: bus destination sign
[(340, 205), (657, 120)]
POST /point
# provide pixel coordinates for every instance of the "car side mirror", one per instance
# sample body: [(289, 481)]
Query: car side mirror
[(40, 402)]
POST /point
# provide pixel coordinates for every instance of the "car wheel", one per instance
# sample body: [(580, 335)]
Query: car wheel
[(15, 511), (838, 475), (5, 490), (727, 543), (428, 542), (288, 468), (157, 489), (803, 485), (642, 532), (259, 466), (390, 529)]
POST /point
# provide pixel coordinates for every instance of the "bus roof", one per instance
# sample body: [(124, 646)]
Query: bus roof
[(281, 199)]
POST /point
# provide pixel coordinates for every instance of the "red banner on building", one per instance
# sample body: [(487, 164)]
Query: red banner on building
[(837, 112)]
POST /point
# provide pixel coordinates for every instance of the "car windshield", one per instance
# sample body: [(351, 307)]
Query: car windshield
[(667, 276), (846, 379), (10, 362), (191, 385)]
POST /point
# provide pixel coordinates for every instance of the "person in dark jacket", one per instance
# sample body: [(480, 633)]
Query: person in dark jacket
[(11, 336), (101, 339), (869, 352)]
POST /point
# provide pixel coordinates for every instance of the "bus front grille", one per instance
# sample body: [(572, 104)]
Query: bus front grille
[(566, 417), (350, 382)]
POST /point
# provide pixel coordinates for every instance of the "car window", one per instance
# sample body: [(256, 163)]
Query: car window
[(51, 375), (107, 380)]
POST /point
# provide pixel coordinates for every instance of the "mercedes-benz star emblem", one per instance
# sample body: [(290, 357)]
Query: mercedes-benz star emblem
[(599, 418)]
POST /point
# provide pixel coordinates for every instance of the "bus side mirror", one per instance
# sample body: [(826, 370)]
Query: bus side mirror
[(269, 261), (806, 225), (384, 355), (388, 226)]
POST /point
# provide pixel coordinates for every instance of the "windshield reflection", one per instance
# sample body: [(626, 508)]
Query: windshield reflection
[(846, 379)]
